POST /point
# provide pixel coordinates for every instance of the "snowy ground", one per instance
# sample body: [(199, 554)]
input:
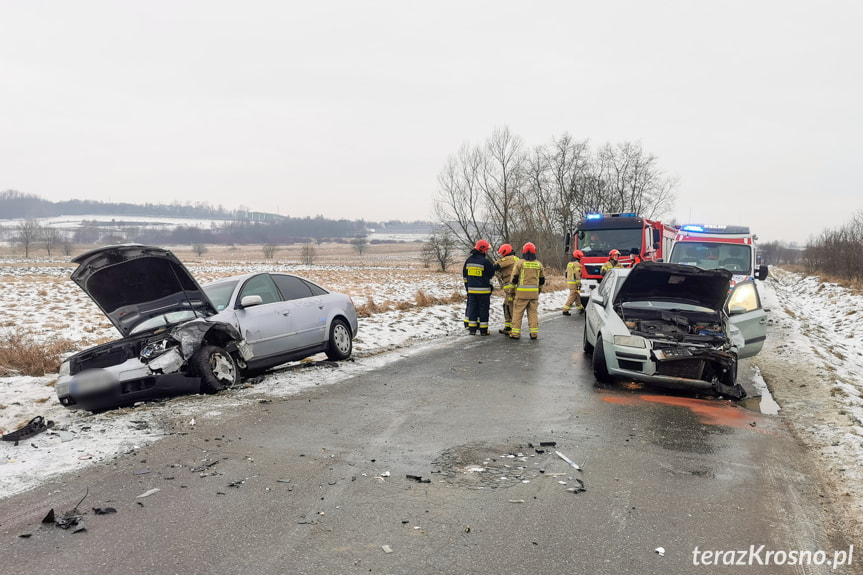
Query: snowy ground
[(812, 363), (39, 297)]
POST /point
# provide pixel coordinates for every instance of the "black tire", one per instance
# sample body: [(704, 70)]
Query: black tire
[(341, 342), (588, 349), (216, 368), (600, 369)]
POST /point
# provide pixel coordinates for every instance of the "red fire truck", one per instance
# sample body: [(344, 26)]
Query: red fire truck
[(597, 234)]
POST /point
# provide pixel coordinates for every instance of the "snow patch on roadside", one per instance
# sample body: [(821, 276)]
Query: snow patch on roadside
[(813, 364)]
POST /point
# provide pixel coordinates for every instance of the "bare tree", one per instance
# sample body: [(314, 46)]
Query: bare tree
[(459, 205), (269, 251), (308, 253), (360, 244), (501, 193), (27, 233), (501, 181), (199, 249), (49, 237), (441, 247)]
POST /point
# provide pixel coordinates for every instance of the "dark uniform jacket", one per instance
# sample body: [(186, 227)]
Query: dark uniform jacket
[(477, 273)]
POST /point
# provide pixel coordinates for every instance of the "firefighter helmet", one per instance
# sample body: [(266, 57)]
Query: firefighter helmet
[(578, 254), (482, 246), (614, 254), (528, 248), (504, 250)]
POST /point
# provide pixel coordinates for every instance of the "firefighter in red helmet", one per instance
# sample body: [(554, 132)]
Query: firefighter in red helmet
[(503, 270), (528, 277), (613, 262), (477, 273), (573, 282)]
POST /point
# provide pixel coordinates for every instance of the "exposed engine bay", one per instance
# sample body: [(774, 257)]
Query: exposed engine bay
[(687, 344)]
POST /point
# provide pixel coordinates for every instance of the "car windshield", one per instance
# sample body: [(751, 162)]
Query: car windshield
[(736, 258), (597, 243), (167, 319), (220, 293)]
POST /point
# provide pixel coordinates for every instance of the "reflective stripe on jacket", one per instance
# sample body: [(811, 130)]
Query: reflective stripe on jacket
[(477, 273), (504, 266), (573, 273), (528, 277)]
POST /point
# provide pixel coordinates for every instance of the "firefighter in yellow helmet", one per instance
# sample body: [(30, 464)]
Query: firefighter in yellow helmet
[(613, 262), (503, 270), (528, 277), (573, 282), (477, 273)]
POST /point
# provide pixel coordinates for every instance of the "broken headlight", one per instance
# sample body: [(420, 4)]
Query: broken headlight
[(153, 350)]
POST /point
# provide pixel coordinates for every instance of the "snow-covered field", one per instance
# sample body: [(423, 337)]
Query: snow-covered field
[(37, 296), (812, 362)]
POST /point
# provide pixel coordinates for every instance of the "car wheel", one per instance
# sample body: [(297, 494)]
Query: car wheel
[(600, 369), (588, 349), (216, 368), (341, 341)]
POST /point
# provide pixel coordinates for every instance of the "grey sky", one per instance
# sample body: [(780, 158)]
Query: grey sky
[(350, 109)]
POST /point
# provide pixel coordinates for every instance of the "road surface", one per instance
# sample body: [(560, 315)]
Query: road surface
[(447, 462)]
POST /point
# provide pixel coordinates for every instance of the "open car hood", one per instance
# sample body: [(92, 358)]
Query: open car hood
[(132, 283), (675, 282)]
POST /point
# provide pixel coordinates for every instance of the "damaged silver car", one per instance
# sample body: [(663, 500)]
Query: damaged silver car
[(180, 338), (674, 326)]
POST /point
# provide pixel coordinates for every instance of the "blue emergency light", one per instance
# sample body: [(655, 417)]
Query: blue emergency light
[(593, 216), (692, 229)]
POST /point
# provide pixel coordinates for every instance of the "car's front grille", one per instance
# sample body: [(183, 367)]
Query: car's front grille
[(630, 365), (688, 368)]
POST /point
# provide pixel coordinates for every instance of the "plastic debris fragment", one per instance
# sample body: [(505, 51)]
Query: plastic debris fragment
[(568, 460), (34, 427), (149, 493)]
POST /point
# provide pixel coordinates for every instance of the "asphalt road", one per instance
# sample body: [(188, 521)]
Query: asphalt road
[(444, 462)]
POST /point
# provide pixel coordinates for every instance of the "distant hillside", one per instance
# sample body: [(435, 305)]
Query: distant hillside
[(15, 205), (91, 222)]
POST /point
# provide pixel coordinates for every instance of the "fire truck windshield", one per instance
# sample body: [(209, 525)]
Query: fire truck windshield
[(736, 258), (597, 243)]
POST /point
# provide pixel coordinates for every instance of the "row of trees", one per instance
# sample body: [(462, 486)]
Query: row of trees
[(838, 251), (505, 192), (31, 234)]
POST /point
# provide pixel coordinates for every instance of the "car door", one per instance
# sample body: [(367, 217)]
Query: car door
[(265, 326), (306, 310), (596, 312), (743, 307)]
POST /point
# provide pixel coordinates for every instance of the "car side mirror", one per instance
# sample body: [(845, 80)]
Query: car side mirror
[(761, 273), (251, 300), (737, 310)]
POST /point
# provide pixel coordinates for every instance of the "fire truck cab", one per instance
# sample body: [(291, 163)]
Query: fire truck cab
[(712, 246), (597, 234)]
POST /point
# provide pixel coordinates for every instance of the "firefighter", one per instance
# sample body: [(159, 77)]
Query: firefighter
[(477, 273), (573, 281), (503, 271), (613, 262), (528, 278)]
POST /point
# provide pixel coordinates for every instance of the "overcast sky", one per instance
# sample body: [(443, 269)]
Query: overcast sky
[(349, 109)]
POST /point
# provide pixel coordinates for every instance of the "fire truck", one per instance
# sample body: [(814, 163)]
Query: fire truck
[(712, 246), (597, 234)]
